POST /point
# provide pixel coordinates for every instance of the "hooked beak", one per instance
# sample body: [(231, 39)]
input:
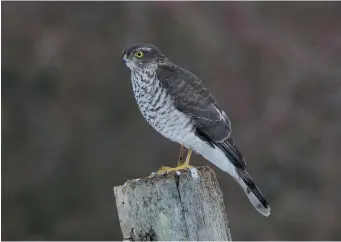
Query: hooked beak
[(125, 58)]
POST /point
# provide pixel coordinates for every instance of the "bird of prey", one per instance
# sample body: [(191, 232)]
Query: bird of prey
[(175, 103)]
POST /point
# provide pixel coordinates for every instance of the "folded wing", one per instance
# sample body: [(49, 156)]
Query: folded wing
[(193, 99)]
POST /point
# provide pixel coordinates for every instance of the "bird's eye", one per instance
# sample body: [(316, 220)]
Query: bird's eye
[(138, 54)]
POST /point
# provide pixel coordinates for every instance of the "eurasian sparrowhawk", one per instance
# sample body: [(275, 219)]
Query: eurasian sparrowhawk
[(175, 103)]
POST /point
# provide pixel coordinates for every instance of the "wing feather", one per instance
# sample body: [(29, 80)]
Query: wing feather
[(193, 99)]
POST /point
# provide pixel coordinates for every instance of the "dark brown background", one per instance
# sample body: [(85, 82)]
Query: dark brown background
[(71, 129)]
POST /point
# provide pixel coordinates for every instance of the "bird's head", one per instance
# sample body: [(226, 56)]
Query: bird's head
[(140, 56)]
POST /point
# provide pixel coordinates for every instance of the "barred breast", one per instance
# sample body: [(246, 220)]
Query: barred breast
[(157, 107)]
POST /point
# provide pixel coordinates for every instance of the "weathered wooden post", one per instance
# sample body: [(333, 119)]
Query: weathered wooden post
[(187, 205)]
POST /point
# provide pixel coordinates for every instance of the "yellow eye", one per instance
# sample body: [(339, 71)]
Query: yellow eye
[(138, 54)]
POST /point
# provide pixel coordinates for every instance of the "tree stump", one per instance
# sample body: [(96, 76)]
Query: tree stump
[(186, 205)]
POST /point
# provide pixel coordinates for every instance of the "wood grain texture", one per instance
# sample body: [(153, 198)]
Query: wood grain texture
[(186, 206)]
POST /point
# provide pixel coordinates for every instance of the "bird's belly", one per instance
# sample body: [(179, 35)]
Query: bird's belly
[(168, 121), (174, 125)]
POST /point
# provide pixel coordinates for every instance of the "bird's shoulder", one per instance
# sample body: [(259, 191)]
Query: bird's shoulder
[(192, 98), (172, 75), (179, 81)]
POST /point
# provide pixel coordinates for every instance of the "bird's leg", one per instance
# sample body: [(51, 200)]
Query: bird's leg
[(181, 155), (182, 166), (186, 163)]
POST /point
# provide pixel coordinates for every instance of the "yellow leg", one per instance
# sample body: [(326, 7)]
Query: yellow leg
[(182, 166), (188, 157), (181, 155)]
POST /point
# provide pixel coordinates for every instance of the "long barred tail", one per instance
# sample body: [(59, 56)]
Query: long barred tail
[(252, 192), (227, 157)]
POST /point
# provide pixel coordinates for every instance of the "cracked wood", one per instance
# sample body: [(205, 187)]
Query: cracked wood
[(173, 207)]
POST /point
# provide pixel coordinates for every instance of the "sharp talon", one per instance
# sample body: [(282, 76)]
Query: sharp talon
[(182, 165), (164, 169)]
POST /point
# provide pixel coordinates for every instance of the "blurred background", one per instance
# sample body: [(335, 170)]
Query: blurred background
[(71, 129)]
